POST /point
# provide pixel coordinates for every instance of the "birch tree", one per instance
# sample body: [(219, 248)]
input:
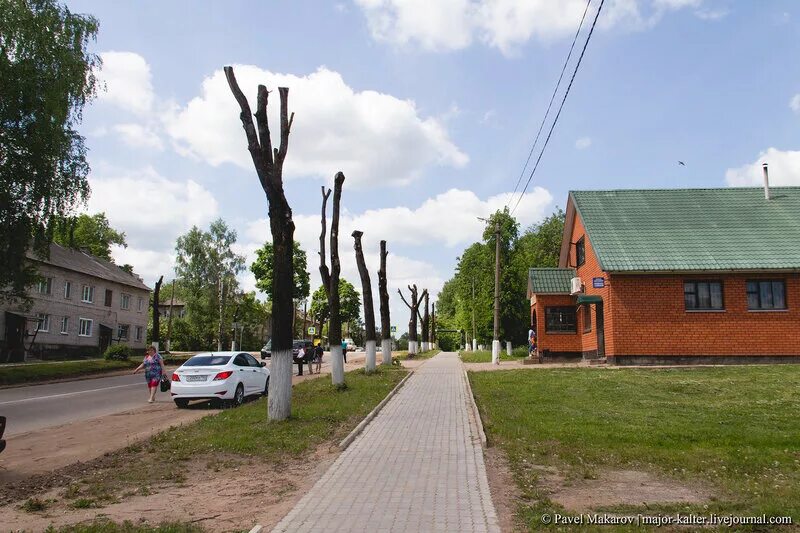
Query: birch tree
[(268, 163), (369, 310)]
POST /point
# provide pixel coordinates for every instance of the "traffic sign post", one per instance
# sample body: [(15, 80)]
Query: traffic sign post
[(312, 330)]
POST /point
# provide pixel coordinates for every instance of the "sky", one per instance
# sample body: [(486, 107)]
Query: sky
[(430, 109)]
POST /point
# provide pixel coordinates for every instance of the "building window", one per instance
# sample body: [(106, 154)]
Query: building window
[(766, 294), (580, 251), (87, 294), (703, 295), (560, 320), (84, 327), (587, 319), (44, 286), (122, 331), (108, 297), (140, 304), (43, 322), (125, 301), (67, 290), (64, 325), (138, 333)]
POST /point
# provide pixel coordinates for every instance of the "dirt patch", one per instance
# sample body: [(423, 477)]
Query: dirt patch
[(503, 488), (618, 487), (213, 493)]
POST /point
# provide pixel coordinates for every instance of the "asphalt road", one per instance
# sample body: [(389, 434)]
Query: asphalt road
[(42, 406)]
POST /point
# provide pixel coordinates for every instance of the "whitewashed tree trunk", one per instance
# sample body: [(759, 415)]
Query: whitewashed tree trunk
[(386, 351), (496, 352), (280, 385), (371, 356), (474, 345), (337, 365), (412, 347), (508, 348)]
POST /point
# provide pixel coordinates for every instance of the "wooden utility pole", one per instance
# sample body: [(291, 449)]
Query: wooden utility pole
[(496, 338), (169, 320), (386, 324), (156, 316), (268, 163), (369, 310)]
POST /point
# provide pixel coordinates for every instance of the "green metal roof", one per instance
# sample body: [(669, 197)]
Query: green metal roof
[(589, 299), (550, 280), (692, 229)]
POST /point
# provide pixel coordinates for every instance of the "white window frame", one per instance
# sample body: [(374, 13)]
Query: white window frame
[(140, 304), (67, 289), (90, 290), (65, 325), (42, 322), (119, 331), (87, 321), (48, 286), (139, 333), (125, 301)]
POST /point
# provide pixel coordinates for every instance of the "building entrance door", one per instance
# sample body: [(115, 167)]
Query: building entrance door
[(15, 338), (105, 338), (601, 335)]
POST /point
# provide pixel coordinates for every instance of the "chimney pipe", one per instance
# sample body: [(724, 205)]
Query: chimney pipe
[(766, 181)]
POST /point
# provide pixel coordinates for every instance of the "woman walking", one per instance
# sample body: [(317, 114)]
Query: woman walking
[(318, 351), (153, 369)]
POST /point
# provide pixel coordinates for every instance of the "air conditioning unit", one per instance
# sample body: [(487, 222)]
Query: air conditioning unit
[(577, 286)]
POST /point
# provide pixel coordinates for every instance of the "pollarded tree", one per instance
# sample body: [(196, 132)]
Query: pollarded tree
[(369, 311), (268, 162), (386, 324), (412, 322), (425, 323)]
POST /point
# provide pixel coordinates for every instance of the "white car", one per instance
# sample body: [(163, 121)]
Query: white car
[(221, 376)]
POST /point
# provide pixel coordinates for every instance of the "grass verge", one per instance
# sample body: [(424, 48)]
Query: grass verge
[(37, 372), (734, 429), (320, 414), (485, 356), (107, 526), (403, 355)]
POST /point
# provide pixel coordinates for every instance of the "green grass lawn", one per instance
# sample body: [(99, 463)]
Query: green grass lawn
[(485, 356), (735, 429), (403, 355), (34, 372), (320, 414)]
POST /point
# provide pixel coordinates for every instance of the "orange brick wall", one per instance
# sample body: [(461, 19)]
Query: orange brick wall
[(555, 342)]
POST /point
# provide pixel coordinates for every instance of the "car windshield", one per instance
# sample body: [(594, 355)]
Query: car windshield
[(208, 360)]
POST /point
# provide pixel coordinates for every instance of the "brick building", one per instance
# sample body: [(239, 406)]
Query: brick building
[(81, 305), (673, 276)]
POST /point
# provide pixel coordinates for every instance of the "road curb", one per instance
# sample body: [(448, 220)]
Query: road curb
[(360, 427), (258, 528), (475, 413)]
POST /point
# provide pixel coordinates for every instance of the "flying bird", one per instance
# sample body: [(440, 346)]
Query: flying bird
[(681, 163)]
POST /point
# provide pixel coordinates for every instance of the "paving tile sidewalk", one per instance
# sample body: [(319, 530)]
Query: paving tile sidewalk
[(417, 467)]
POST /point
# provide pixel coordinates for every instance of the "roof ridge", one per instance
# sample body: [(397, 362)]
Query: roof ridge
[(755, 188)]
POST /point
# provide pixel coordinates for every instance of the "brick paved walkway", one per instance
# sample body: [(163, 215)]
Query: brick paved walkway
[(417, 467)]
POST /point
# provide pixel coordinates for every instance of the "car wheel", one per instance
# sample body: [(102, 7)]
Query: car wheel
[(266, 387), (238, 396), (181, 403)]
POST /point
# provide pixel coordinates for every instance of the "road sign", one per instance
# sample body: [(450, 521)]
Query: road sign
[(312, 330), (394, 329), (598, 283)]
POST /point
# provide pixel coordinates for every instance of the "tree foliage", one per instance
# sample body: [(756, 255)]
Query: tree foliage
[(92, 233), (350, 303), (538, 246), (47, 77), (262, 270)]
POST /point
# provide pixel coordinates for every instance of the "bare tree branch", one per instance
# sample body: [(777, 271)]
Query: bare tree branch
[(263, 124), (249, 128), (403, 298), (323, 267)]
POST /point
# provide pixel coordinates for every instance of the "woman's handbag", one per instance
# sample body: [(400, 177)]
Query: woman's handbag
[(165, 384)]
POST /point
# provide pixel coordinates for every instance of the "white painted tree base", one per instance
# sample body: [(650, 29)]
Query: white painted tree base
[(337, 365), (386, 351), (370, 360), (412, 348), (508, 347), (425, 346), (280, 385), (474, 345), (495, 352)]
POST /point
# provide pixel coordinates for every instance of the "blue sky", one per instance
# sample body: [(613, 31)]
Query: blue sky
[(430, 109)]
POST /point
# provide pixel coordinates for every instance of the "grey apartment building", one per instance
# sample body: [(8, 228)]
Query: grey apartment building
[(81, 305)]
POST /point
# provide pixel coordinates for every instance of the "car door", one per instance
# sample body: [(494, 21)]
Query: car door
[(244, 372), (259, 374)]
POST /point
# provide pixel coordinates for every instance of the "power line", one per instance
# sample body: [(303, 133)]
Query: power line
[(561, 107), (552, 98)]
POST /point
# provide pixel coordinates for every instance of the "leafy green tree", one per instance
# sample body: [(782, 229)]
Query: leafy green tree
[(262, 270), (205, 262), (92, 233), (350, 303), (47, 76)]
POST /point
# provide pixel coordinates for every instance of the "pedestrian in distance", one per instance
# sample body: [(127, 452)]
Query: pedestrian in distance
[(318, 351), (344, 351), (153, 366), (300, 359), (309, 357)]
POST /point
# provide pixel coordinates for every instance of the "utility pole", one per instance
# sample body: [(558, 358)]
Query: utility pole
[(496, 340), (474, 330), (169, 321)]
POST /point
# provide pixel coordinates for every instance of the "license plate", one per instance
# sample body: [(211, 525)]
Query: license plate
[(195, 378)]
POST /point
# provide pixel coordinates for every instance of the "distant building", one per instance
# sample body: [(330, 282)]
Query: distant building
[(673, 276), (81, 306), (178, 308)]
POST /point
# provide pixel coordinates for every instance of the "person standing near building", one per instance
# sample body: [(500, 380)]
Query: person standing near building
[(153, 367)]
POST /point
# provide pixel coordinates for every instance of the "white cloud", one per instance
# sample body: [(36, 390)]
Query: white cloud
[(149, 264), (583, 143), (139, 136), (503, 24), (794, 103), (784, 169), (127, 80), (373, 138)]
